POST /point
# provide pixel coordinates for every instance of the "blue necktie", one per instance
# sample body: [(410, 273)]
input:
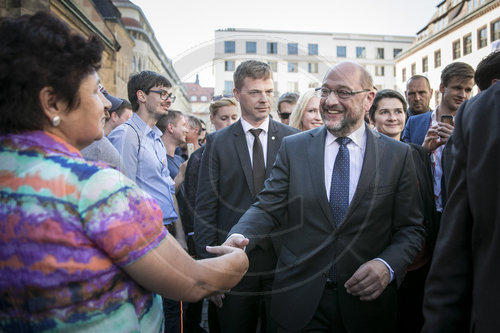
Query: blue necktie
[(339, 189)]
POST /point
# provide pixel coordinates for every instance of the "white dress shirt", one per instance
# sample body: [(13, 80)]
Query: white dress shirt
[(356, 154), (250, 138)]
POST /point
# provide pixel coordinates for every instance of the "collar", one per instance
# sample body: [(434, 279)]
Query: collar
[(48, 142), (246, 125), (143, 127), (358, 137)]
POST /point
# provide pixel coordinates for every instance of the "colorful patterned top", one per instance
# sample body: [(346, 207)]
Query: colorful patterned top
[(67, 228)]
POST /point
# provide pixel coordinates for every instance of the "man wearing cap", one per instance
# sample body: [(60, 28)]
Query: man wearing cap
[(102, 150)]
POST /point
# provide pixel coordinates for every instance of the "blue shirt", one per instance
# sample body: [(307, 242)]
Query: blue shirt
[(145, 160)]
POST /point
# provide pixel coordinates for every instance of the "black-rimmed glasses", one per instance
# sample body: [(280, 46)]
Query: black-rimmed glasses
[(164, 95), (341, 93)]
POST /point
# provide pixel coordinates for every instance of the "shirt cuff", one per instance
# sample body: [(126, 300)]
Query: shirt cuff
[(389, 267)]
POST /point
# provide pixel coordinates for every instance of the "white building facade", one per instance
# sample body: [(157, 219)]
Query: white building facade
[(461, 30), (300, 59)]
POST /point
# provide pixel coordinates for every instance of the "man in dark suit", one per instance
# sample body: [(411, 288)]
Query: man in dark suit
[(234, 165), (344, 201), (462, 289)]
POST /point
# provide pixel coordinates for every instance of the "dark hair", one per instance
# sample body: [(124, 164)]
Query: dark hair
[(251, 68), (125, 105), (194, 122), (288, 97), (385, 93), (487, 70), (170, 118), (40, 51), (418, 77), (460, 69), (144, 81)]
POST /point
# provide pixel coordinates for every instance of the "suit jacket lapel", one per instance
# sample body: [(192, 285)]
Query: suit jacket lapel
[(371, 163), (242, 150), (316, 160), (273, 145)]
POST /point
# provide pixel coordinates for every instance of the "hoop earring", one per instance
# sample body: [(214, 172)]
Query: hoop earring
[(56, 121)]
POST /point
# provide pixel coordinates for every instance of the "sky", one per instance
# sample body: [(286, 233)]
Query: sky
[(181, 26)]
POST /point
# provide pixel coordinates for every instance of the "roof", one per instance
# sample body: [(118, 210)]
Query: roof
[(194, 89)]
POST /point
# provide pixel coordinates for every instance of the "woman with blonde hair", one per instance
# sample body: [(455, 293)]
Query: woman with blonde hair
[(305, 115)]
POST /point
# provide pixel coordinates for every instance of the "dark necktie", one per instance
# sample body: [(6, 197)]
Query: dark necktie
[(339, 190), (259, 167)]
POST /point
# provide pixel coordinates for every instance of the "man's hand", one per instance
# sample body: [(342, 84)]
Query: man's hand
[(369, 281), (437, 136), (217, 299), (236, 240)]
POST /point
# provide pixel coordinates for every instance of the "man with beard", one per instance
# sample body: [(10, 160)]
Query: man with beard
[(345, 202)]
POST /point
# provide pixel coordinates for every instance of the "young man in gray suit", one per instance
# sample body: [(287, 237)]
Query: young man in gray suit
[(235, 163), (345, 202)]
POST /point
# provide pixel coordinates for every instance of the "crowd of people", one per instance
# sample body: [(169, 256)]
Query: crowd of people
[(356, 211)]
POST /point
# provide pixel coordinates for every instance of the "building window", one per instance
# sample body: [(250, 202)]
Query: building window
[(293, 48), (229, 46), (203, 98), (394, 71), (228, 87), (273, 65), (482, 37), (193, 98), (379, 70), (293, 67), (360, 52), (380, 53), (437, 58), (467, 44), (292, 86), (251, 47), (341, 51), (312, 49), (229, 65), (395, 52), (403, 74), (425, 64), (272, 48), (312, 67), (313, 85), (495, 30), (413, 69), (456, 49)]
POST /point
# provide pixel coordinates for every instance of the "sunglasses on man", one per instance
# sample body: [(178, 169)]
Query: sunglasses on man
[(284, 115)]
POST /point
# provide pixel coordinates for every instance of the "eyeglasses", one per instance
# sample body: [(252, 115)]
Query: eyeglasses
[(324, 92), (284, 115), (219, 97), (164, 95)]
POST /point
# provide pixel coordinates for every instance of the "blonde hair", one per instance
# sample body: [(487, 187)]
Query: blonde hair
[(225, 101), (300, 107)]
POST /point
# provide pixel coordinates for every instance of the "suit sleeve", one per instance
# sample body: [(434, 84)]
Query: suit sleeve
[(448, 290), (406, 132), (205, 216), (407, 226), (267, 213)]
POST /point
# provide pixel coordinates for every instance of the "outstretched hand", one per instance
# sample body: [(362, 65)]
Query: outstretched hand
[(237, 240)]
